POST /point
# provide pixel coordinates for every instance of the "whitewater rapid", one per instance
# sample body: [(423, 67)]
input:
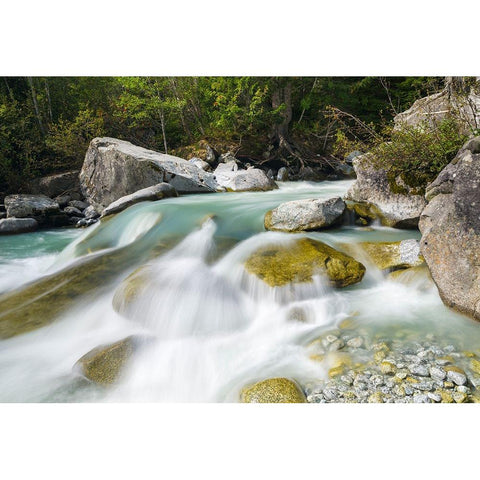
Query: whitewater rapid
[(211, 327)]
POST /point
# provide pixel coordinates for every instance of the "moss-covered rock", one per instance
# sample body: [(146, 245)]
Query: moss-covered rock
[(273, 390), (297, 262), (104, 364)]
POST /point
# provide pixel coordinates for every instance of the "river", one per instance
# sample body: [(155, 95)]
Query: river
[(211, 327)]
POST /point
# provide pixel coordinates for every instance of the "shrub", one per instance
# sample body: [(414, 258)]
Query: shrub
[(416, 155)]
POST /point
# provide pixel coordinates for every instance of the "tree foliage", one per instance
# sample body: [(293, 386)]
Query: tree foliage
[(46, 123)]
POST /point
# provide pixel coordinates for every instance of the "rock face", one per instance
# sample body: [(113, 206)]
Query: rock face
[(273, 390), (9, 226), (157, 192), (54, 185), (199, 163), (104, 364), (39, 207), (393, 255), (297, 262), (450, 226), (229, 176), (115, 168), (311, 214), (372, 186), (435, 108)]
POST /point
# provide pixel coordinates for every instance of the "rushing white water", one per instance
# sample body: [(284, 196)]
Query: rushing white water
[(211, 327)]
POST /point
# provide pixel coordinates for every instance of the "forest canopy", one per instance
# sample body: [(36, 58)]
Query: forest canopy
[(46, 123)]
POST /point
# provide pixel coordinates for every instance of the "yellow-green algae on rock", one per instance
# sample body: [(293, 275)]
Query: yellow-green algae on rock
[(390, 255), (273, 390), (297, 262), (104, 364)]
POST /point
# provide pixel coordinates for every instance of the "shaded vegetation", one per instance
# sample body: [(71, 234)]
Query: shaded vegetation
[(46, 123)]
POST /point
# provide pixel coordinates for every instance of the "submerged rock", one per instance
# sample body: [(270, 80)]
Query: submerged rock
[(233, 179), (297, 262), (41, 302), (10, 226), (450, 226), (393, 255), (114, 168), (104, 364), (273, 390), (156, 192), (311, 214), (399, 210)]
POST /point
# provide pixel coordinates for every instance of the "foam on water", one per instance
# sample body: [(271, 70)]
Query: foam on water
[(212, 326)]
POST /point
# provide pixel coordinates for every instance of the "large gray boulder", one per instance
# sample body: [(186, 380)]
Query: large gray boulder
[(459, 103), (157, 192), (10, 226), (300, 215), (114, 168), (233, 179), (400, 210), (450, 226), (54, 185), (39, 207)]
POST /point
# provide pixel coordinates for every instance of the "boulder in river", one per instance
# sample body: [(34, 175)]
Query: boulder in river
[(39, 207), (299, 260), (399, 210), (450, 226), (233, 179), (104, 364), (58, 184), (10, 226), (156, 192), (282, 175), (115, 168), (310, 214), (392, 255), (273, 390)]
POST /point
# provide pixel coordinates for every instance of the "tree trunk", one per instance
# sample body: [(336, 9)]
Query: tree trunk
[(35, 105), (162, 123), (282, 96)]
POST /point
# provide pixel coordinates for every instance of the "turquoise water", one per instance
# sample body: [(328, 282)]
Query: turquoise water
[(212, 327)]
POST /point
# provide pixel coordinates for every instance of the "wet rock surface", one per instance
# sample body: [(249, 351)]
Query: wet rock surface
[(297, 262), (273, 390), (304, 215), (374, 369)]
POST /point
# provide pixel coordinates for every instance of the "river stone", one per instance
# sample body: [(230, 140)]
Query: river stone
[(273, 390), (104, 364), (372, 186), (156, 192), (450, 226), (55, 185), (90, 212), (115, 168), (72, 211), (299, 260), (393, 255), (311, 214), (233, 179), (199, 163), (38, 206), (10, 226), (282, 175)]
